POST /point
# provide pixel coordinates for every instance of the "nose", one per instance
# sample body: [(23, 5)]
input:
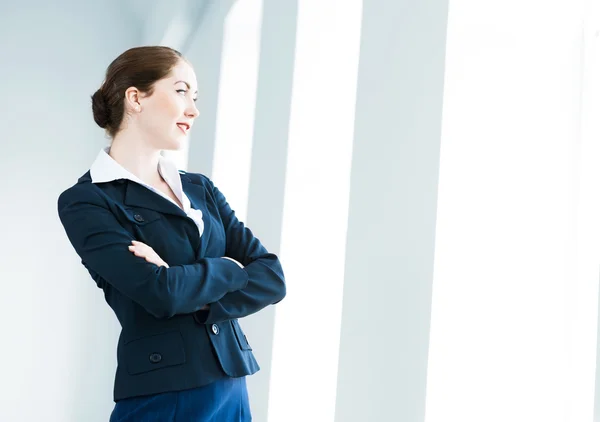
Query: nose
[(192, 112)]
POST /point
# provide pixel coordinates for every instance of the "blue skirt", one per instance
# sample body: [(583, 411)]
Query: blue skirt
[(225, 400)]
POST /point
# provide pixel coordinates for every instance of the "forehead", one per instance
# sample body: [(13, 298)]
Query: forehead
[(182, 71)]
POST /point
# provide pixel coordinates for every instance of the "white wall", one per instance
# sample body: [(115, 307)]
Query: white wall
[(57, 357), (282, 168), (392, 215)]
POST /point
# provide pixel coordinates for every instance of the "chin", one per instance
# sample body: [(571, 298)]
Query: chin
[(174, 144)]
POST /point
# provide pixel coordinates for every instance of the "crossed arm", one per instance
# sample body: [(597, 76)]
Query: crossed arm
[(242, 283), (140, 249), (266, 283)]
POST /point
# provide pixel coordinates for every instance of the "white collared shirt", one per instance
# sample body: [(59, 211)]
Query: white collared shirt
[(106, 169)]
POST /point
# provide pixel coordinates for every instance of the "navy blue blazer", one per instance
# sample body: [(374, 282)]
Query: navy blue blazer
[(167, 343)]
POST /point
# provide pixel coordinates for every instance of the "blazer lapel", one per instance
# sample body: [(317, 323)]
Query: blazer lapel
[(197, 196), (137, 195)]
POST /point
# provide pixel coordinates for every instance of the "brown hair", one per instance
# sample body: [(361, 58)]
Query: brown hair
[(140, 67)]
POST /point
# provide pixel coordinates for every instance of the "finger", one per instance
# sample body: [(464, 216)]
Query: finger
[(147, 249), (137, 252), (141, 246), (148, 257)]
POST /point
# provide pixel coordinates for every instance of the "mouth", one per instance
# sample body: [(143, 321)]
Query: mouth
[(184, 127)]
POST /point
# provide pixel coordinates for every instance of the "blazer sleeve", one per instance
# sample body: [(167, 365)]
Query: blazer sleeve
[(266, 282), (102, 243)]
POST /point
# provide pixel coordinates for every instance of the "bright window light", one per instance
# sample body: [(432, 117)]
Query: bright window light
[(236, 103), (516, 272), (308, 321)]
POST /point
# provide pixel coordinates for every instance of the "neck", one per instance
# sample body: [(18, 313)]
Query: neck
[(141, 160)]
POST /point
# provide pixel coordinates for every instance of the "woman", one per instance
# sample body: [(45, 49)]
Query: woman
[(175, 264)]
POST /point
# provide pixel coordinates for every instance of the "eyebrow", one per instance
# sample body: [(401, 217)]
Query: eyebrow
[(188, 85)]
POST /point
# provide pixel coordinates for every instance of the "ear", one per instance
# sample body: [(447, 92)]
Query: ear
[(132, 98)]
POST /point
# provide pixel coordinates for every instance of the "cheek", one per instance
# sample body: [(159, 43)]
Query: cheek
[(164, 113)]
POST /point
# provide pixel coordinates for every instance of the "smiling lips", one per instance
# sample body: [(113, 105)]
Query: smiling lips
[(185, 127)]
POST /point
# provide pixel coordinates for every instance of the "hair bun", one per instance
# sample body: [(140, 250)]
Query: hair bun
[(100, 109), (139, 67)]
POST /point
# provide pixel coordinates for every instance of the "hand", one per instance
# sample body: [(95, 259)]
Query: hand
[(231, 259), (144, 251)]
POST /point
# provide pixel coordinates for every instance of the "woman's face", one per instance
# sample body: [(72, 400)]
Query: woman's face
[(167, 115)]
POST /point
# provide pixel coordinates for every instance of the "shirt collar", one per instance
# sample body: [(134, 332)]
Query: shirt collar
[(106, 169)]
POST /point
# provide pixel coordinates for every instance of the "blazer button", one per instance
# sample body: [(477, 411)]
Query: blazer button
[(215, 328), (138, 218), (155, 357)]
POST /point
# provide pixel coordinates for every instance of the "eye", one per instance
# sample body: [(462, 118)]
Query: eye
[(182, 90)]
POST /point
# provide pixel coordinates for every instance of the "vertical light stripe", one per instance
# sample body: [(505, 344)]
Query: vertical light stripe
[(307, 324), (237, 103)]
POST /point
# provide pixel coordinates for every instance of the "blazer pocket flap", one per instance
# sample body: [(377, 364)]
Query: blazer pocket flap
[(154, 352), (142, 216), (241, 337)]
